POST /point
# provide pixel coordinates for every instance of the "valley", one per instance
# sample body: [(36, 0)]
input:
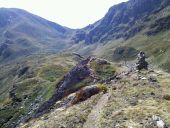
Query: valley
[(52, 76)]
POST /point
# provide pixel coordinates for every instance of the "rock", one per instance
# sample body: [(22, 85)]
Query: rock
[(158, 122), (67, 85), (152, 79), (78, 55), (84, 94), (166, 97), (102, 61), (152, 93), (141, 64), (134, 102), (78, 79), (22, 71), (143, 78)]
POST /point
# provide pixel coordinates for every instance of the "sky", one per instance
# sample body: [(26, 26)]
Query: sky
[(69, 13)]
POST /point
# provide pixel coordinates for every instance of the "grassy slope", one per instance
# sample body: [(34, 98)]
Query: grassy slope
[(136, 96), (131, 102), (25, 34), (33, 87), (34, 80), (156, 48), (45, 71)]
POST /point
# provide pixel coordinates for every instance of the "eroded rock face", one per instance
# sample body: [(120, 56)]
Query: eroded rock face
[(76, 75), (124, 21), (80, 76), (66, 85)]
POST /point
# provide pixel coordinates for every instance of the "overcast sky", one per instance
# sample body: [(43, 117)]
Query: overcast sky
[(70, 13)]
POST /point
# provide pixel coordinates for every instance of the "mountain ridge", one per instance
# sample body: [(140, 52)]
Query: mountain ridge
[(48, 79), (118, 20), (21, 30)]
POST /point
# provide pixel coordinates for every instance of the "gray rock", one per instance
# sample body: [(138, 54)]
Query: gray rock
[(141, 64), (158, 122)]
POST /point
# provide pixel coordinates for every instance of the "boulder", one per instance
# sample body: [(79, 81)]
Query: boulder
[(157, 121), (85, 93)]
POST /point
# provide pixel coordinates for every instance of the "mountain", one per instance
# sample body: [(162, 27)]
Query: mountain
[(62, 90), (127, 26), (131, 99), (61, 77), (125, 20), (133, 26), (22, 33)]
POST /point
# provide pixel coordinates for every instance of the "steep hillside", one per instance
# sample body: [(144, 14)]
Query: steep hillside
[(65, 90), (59, 91), (31, 87), (22, 33), (133, 99), (125, 20), (28, 83), (128, 28)]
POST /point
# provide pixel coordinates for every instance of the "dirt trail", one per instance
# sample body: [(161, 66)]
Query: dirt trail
[(94, 116)]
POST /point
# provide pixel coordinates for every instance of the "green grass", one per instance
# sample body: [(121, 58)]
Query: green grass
[(86, 82), (6, 115), (103, 71), (52, 72), (102, 87), (35, 87)]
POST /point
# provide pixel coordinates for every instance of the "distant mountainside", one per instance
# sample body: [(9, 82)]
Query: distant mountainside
[(22, 33), (130, 25), (127, 28), (125, 20), (87, 88)]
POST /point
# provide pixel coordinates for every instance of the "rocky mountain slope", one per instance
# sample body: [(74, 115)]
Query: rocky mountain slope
[(42, 89), (59, 91), (131, 99), (27, 84), (130, 26), (32, 90), (126, 20), (22, 33), (127, 28)]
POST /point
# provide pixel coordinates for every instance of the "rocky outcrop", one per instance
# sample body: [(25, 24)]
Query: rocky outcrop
[(159, 25), (158, 122), (130, 101), (80, 76), (66, 85), (84, 94)]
